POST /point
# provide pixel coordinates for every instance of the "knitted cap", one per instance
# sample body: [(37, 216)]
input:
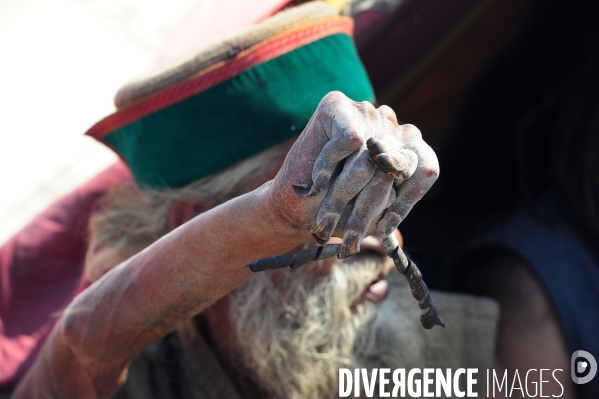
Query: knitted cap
[(234, 98)]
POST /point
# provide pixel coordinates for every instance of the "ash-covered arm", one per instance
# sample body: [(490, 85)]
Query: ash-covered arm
[(145, 297)]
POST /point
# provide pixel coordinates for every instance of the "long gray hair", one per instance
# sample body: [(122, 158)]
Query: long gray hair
[(129, 219)]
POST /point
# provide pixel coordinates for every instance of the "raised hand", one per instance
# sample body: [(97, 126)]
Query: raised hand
[(352, 166), (355, 167)]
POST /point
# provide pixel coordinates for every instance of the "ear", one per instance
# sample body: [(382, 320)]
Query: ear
[(184, 210)]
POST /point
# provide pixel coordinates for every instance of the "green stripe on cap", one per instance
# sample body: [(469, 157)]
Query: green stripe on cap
[(240, 117)]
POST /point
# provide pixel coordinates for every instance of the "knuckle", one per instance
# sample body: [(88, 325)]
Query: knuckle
[(333, 97), (411, 132), (354, 139), (367, 108), (388, 113), (431, 172)]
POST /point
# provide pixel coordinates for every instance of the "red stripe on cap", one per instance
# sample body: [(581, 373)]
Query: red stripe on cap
[(217, 73)]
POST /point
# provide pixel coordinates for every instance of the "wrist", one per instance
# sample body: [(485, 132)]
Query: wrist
[(282, 213)]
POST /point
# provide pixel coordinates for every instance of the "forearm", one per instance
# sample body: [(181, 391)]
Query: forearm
[(146, 296)]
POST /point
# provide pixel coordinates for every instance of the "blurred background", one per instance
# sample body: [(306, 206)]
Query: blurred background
[(61, 62), (505, 91)]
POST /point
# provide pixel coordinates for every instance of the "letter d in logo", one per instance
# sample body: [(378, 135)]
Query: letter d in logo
[(580, 362)]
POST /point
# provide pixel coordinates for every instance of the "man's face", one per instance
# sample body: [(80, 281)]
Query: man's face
[(292, 329)]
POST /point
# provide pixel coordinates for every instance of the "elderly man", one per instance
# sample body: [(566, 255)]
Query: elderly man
[(212, 143)]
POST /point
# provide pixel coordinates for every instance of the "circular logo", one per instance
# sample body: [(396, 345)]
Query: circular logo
[(583, 367)]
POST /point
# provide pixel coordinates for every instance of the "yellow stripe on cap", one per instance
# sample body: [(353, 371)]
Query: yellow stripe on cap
[(338, 4)]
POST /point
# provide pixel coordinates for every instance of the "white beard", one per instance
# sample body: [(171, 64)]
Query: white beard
[(292, 331)]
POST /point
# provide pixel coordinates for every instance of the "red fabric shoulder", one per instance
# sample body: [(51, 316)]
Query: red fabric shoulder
[(41, 271)]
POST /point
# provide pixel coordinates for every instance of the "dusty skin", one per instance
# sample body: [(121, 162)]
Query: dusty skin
[(183, 273)]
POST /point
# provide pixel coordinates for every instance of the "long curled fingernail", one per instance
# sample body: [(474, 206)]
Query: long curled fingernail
[(296, 259), (386, 228), (431, 318), (321, 182), (374, 147), (392, 166), (325, 228), (301, 189), (351, 244)]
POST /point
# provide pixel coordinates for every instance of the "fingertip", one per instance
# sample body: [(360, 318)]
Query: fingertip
[(320, 183), (351, 244), (325, 228)]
